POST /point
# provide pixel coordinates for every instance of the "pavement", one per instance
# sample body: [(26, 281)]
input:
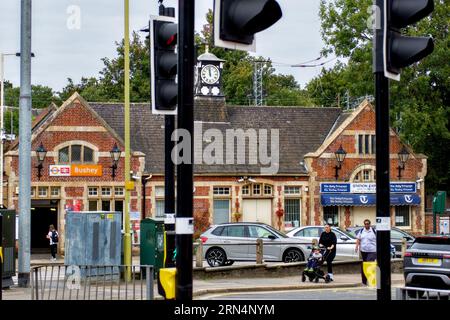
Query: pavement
[(229, 285)]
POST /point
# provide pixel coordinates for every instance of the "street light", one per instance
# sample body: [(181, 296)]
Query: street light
[(340, 156), (115, 155), (403, 156), (41, 153)]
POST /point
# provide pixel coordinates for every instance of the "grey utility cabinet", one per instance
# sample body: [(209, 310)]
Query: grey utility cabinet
[(93, 239)]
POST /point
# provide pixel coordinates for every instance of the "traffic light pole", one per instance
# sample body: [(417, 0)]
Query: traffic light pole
[(185, 184), (382, 164), (169, 173)]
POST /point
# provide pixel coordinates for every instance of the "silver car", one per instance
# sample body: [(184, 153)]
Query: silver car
[(345, 248), (225, 243), (426, 264)]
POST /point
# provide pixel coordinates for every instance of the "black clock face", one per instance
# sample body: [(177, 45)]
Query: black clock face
[(210, 74)]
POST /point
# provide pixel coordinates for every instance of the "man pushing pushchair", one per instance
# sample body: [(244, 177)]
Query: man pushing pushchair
[(315, 260)]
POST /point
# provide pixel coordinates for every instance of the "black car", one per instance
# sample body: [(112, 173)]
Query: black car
[(426, 264)]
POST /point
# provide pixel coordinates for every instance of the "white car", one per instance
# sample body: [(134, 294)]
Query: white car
[(345, 248)]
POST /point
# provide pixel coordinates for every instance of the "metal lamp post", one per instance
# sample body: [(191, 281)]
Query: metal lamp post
[(403, 156), (41, 152), (340, 155), (115, 155)]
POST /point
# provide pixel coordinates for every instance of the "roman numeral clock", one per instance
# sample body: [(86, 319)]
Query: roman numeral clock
[(208, 75)]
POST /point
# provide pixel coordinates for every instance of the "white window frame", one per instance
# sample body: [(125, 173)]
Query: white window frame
[(91, 194), (104, 194), (221, 191), (292, 190), (39, 192), (55, 194), (119, 191)]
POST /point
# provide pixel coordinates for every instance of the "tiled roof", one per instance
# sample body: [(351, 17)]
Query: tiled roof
[(301, 130)]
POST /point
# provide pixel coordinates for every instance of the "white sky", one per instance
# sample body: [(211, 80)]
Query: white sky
[(63, 53)]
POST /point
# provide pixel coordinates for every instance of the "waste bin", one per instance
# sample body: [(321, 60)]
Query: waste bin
[(8, 243), (152, 243)]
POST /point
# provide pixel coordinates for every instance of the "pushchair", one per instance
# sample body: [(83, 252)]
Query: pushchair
[(315, 273)]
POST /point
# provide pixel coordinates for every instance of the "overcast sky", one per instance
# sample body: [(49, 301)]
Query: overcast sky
[(63, 52)]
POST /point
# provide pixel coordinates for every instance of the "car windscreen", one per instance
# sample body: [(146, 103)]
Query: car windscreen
[(436, 244), (348, 234), (281, 235)]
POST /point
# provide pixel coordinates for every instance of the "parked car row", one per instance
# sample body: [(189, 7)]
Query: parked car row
[(225, 243)]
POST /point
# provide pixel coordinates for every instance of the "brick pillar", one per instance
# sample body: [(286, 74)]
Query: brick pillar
[(347, 221)]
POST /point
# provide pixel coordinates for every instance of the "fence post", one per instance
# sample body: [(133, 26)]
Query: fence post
[(403, 247), (259, 251), (199, 254), (36, 283), (149, 277)]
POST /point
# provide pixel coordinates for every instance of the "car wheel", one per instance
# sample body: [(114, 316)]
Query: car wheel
[(216, 257), (415, 294), (293, 255)]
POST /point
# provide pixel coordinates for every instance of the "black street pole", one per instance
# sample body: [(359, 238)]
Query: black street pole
[(169, 173), (382, 163), (185, 184)]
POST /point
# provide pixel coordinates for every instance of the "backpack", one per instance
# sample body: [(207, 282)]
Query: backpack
[(54, 236)]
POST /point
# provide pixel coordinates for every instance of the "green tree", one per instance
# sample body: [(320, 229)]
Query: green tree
[(109, 86), (238, 74), (420, 108)]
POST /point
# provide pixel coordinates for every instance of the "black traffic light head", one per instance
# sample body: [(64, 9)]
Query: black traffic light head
[(164, 61), (401, 51), (239, 20)]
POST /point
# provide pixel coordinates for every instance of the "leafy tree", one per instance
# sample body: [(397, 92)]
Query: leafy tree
[(42, 97), (109, 86), (419, 102), (238, 74)]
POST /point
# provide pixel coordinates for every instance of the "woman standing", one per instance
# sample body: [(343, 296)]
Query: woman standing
[(328, 240), (53, 236)]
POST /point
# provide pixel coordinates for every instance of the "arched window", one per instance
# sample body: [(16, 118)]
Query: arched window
[(364, 175), (76, 153)]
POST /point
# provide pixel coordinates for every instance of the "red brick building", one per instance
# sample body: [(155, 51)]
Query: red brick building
[(81, 134)]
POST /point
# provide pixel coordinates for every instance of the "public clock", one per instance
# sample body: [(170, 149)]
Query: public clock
[(210, 74)]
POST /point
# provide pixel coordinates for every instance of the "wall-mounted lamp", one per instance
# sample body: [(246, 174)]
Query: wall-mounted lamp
[(340, 156), (403, 156), (245, 179), (41, 153), (115, 156)]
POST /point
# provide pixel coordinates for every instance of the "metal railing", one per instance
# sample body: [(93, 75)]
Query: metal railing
[(415, 293), (61, 282)]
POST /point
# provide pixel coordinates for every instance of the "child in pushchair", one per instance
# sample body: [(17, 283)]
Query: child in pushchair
[(315, 261)]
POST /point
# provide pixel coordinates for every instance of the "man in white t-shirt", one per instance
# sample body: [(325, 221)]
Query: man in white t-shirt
[(366, 242)]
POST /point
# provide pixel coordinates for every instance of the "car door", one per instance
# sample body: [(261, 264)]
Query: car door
[(308, 234), (271, 247), (345, 248), (235, 242)]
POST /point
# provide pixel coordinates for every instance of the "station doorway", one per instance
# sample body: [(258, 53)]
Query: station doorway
[(43, 214)]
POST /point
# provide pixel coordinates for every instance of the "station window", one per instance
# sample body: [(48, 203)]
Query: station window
[(76, 153), (106, 191), (43, 191), (221, 191), (55, 191), (291, 190), (93, 191)]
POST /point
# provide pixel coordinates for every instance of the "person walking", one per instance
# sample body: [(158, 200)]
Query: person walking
[(53, 236), (366, 242), (328, 240)]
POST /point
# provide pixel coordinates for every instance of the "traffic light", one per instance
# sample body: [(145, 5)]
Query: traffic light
[(164, 61), (401, 51), (237, 21)]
